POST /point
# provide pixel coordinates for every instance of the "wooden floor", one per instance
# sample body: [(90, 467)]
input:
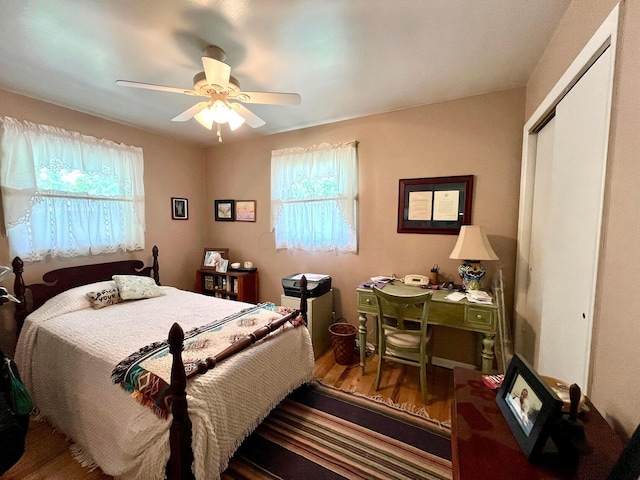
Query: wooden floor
[(47, 452)]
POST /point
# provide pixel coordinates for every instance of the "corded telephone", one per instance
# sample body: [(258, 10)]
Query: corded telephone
[(417, 280)]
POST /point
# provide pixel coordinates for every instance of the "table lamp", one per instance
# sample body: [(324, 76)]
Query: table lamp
[(471, 247)]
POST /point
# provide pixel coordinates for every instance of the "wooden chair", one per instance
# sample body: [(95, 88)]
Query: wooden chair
[(403, 332)]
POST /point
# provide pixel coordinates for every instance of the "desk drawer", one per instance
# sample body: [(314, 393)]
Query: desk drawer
[(444, 313), (367, 301), (479, 317)]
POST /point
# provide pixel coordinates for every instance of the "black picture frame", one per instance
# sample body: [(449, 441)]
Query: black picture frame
[(179, 208), (435, 205), (225, 210), (533, 424)]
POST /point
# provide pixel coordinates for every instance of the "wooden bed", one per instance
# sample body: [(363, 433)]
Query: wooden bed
[(57, 281)]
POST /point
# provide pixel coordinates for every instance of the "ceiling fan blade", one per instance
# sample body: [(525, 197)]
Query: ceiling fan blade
[(162, 88), (190, 112), (250, 118), (217, 72), (269, 98)]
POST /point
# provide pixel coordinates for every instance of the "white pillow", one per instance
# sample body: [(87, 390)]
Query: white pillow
[(70, 300), (103, 298), (132, 287)]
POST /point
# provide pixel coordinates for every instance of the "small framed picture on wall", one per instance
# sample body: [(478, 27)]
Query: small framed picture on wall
[(245, 210), (225, 210), (179, 208)]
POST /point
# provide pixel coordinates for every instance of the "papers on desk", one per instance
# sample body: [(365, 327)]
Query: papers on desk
[(382, 279), (474, 296), (379, 285), (479, 296), (455, 296)]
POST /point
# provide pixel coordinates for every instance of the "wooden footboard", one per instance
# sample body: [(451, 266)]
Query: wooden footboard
[(179, 466)]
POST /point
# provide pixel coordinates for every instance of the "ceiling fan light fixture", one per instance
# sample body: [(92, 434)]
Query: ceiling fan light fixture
[(220, 111), (235, 120), (205, 118)]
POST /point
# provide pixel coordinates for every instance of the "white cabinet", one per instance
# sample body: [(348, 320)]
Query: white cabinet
[(319, 316)]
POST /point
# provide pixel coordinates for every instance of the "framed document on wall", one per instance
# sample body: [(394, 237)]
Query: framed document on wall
[(435, 205)]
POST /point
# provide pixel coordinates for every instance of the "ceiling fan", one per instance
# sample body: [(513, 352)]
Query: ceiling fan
[(225, 99)]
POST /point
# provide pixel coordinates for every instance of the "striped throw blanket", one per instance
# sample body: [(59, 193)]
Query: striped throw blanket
[(146, 374)]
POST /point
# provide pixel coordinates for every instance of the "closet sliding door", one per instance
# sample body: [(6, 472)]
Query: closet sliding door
[(566, 223)]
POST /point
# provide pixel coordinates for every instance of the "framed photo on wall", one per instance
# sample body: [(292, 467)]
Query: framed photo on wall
[(212, 257), (435, 205), (225, 210), (245, 210), (529, 406), (179, 208)]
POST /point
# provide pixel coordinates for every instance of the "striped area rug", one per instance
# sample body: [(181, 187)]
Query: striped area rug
[(319, 432)]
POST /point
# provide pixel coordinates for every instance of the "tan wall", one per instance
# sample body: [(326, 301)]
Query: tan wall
[(616, 358), (479, 136), (171, 168), (582, 19)]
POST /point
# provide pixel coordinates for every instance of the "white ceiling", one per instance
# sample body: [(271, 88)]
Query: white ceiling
[(346, 58)]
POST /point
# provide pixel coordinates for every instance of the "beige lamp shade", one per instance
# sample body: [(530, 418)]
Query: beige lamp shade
[(473, 244)]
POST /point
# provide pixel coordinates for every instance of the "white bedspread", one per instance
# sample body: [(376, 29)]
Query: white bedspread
[(66, 353)]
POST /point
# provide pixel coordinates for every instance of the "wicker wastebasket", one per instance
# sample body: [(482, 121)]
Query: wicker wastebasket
[(343, 340)]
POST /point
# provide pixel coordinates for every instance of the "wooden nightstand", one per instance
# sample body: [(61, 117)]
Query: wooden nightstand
[(232, 285)]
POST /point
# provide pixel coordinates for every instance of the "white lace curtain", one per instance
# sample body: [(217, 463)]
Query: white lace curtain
[(67, 194), (314, 193)]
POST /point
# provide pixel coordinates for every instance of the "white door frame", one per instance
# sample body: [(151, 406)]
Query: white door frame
[(605, 36)]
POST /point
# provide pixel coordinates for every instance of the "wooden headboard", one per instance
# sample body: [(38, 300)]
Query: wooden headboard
[(62, 279)]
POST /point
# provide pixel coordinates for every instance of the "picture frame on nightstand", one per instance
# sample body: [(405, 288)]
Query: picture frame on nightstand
[(529, 405), (222, 266), (212, 257)]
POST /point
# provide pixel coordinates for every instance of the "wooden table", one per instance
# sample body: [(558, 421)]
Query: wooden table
[(464, 315), (485, 449)]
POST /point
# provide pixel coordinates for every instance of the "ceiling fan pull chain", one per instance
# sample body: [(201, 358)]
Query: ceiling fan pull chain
[(219, 134)]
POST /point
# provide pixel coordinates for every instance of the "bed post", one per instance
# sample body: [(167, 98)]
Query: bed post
[(303, 298), (181, 459), (155, 268), (180, 435), (19, 291)]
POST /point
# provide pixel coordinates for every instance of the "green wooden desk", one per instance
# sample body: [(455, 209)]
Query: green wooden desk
[(463, 314)]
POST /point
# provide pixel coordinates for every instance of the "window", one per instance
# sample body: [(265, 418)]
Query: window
[(65, 194), (314, 193)]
